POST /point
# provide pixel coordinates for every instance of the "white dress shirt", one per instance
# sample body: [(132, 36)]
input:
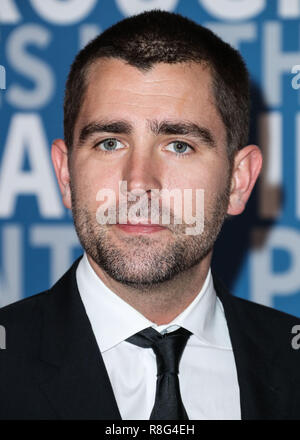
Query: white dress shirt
[(207, 370)]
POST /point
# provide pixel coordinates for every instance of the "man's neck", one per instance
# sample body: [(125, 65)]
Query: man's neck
[(162, 302)]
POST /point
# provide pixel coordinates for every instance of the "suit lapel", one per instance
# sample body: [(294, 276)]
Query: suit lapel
[(78, 386), (265, 391)]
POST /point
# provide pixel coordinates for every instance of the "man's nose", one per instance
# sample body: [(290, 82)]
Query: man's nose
[(142, 171)]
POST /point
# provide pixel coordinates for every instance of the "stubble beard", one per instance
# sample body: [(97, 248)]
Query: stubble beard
[(140, 261)]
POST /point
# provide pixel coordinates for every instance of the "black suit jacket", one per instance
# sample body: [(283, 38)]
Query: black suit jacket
[(52, 367)]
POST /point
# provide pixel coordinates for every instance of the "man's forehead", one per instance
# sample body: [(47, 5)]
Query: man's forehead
[(113, 82), (117, 89), (117, 70)]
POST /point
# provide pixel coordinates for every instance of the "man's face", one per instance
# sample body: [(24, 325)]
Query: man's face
[(151, 121)]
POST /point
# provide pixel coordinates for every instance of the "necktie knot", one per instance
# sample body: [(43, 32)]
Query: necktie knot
[(167, 347)]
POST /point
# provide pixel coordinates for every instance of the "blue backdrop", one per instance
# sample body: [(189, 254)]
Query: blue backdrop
[(258, 253)]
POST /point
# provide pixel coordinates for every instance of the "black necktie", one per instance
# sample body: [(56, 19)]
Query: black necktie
[(168, 349)]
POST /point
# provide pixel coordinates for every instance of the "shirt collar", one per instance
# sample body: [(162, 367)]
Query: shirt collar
[(113, 320)]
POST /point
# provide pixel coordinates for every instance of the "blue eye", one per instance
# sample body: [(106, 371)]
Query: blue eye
[(110, 144), (179, 147)]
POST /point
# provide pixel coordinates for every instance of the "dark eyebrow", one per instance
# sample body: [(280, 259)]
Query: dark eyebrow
[(118, 127), (157, 128), (184, 128)]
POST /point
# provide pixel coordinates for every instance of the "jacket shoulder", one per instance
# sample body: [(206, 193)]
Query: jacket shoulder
[(22, 321), (259, 310), (272, 328), (22, 304), (250, 308), (22, 309), (276, 328)]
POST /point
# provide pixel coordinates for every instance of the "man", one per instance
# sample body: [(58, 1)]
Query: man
[(139, 328)]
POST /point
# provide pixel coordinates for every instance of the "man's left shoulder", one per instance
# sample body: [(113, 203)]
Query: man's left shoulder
[(273, 336), (267, 327), (262, 311), (275, 327), (252, 310)]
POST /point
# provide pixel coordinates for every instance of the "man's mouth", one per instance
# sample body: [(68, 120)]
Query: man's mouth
[(142, 227)]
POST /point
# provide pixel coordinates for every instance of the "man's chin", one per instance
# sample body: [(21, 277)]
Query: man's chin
[(143, 267), (140, 280)]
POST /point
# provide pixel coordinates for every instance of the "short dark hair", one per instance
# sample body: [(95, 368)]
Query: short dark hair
[(163, 37)]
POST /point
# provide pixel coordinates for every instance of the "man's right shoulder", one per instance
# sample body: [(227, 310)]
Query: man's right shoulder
[(22, 324), (23, 306), (23, 309)]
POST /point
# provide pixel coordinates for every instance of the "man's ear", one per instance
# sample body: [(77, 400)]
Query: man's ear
[(59, 155), (246, 169)]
